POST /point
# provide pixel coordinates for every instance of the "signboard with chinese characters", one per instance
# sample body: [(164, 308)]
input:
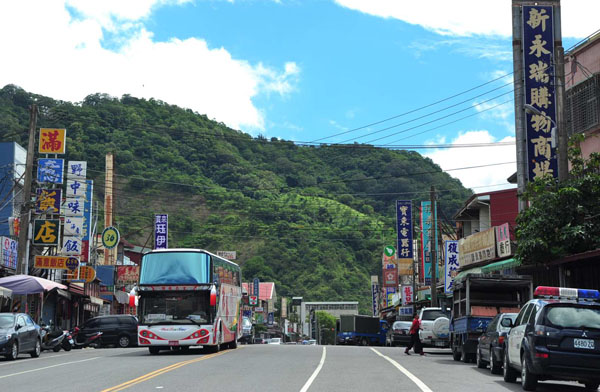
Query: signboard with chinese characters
[(407, 295), (405, 310), (56, 262), (256, 287), (77, 170), (428, 235), (404, 229), (52, 141), (45, 231), (227, 254), (389, 295), (451, 265), (538, 52), (75, 188), (503, 240), (405, 266), (73, 206), (253, 300), (87, 221), (8, 257), (390, 277), (127, 274), (73, 226), (48, 201), (71, 246), (374, 296), (477, 247), (161, 231), (50, 170), (82, 274)]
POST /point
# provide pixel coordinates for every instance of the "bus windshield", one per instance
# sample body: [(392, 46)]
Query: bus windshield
[(175, 308), (175, 268)]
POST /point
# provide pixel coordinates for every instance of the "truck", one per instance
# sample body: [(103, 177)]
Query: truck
[(476, 300), (361, 330)]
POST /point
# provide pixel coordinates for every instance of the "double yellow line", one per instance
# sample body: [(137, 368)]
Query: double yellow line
[(158, 372)]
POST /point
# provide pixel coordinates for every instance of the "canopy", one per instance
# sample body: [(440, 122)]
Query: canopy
[(500, 265), (4, 292), (27, 284)]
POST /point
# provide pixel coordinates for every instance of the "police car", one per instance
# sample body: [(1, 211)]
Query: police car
[(556, 336)]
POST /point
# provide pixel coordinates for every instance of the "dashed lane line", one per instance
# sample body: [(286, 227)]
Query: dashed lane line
[(47, 367), (412, 377)]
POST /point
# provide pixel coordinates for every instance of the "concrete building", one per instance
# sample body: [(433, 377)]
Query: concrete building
[(334, 308)]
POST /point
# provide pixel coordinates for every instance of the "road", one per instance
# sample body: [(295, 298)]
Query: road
[(263, 368)]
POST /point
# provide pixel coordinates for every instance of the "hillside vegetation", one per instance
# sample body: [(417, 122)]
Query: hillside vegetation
[(312, 219)]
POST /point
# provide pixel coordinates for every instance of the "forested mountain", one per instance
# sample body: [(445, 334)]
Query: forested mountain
[(312, 219)]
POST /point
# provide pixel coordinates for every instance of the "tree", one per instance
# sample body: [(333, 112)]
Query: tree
[(563, 218)]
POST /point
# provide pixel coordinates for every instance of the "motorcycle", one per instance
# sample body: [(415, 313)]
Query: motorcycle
[(52, 338), (68, 342), (91, 340)]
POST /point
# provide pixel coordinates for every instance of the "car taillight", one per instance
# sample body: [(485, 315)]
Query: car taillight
[(500, 339), (541, 355)]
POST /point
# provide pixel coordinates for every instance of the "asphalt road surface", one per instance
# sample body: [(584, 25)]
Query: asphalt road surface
[(251, 368)]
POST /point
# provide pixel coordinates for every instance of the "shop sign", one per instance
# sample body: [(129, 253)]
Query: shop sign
[(50, 170), (48, 201), (56, 262), (451, 265), (503, 240), (127, 274), (45, 231), (52, 141), (8, 257), (477, 247)]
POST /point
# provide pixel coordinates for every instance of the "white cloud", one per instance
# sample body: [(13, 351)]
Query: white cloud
[(54, 53), (480, 178), (469, 17)]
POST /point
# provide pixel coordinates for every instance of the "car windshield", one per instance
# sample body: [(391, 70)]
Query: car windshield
[(401, 325), (433, 314), (6, 320), (573, 317)]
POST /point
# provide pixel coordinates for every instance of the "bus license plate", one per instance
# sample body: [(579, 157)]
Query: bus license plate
[(583, 343), (173, 342)]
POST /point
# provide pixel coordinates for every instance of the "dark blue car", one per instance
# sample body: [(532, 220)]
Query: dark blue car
[(19, 334)]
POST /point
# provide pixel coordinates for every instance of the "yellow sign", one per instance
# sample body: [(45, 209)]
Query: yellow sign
[(52, 141), (405, 266), (110, 237), (51, 262), (86, 273)]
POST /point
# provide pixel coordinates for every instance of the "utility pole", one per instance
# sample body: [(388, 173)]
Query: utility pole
[(23, 254), (559, 90), (432, 247)]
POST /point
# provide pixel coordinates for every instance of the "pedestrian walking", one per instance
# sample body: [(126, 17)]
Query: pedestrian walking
[(415, 341)]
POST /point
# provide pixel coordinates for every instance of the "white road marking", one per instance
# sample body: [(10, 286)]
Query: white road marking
[(31, 359), (408, 374), (315, 373), (47, 367)]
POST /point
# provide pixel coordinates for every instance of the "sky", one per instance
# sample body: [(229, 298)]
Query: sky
[(392, 73)]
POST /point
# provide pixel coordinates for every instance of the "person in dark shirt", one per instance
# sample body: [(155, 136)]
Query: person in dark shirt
[(415, 341)]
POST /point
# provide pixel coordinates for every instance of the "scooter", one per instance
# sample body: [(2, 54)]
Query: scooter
[(91, 340), (68, 342), (52, 338)]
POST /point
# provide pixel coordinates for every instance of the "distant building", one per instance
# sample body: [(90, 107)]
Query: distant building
[(334, 308)]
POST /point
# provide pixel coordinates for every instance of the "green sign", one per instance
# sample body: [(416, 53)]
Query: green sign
[(389, 251), (45, 231), (110, 237)]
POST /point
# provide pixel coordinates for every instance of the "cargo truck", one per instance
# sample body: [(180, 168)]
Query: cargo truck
[(361, 330), (477, 299)]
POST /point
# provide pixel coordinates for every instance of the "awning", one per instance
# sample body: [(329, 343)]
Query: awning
[(500, 265), (475, 270), (96, 300), (4, 292), (63, 293)]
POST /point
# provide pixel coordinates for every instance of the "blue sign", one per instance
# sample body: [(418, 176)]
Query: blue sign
[(404, 229), (87, 210), (50, 170), (428, 235), (161, 231), (256, 288), (538, 52), (270, 319)]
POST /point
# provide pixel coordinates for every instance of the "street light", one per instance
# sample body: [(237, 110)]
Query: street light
[(533, 110)]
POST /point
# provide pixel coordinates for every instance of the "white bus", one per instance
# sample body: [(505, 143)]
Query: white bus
[(188, 297)]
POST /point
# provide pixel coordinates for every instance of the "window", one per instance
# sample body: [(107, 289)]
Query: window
[(126, 321), (493, 324), (573, 317), (525, 319), (108, 321), (28, 321), (175, 268), (21, 321), (521, 313)]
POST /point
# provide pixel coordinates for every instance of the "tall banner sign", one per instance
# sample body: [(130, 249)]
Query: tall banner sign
[(256, 287), (374, 295), (451, 265), (404, 229), (161, 231), (428, 235), (539, 72)]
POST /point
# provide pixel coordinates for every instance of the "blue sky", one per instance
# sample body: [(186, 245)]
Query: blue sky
[(298, 70)]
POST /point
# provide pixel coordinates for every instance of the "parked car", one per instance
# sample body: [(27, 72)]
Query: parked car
[(19, 334), (398, 334), (435, 325), (312, 342), (119, 330), (490, 347), (275, 341), (259, 341), (556, 336)]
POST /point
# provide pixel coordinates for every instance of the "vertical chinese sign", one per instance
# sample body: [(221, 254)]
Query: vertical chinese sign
[(375, 295), (161, 231), (451, 265), (428, 235), (404, 229), (538, 53)]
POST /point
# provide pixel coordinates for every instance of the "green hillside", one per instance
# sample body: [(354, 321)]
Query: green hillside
[(312, 219)]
